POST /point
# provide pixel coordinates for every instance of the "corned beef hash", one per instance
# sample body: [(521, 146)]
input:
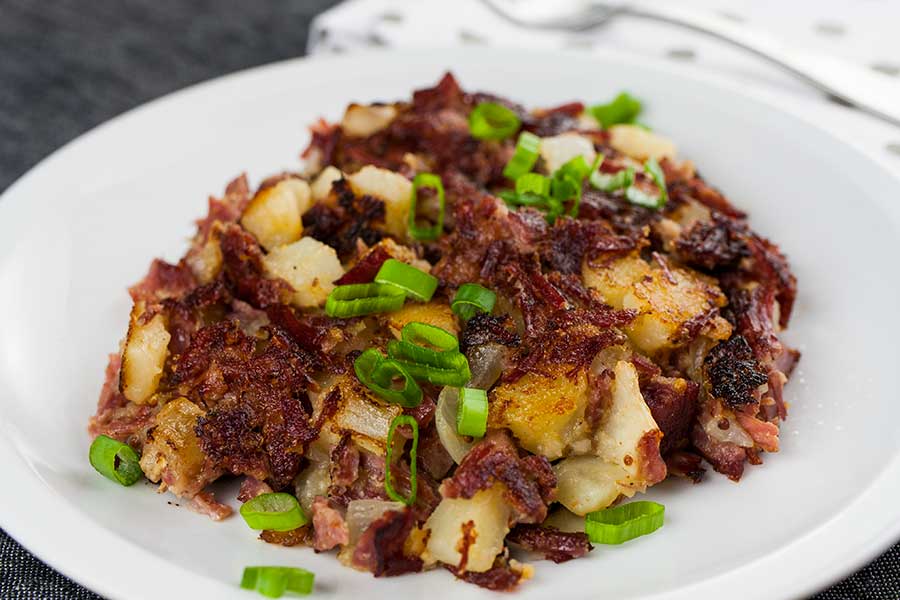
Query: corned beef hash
[(464, 328)]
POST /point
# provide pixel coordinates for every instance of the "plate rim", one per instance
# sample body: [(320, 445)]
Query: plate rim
[(31, 535)]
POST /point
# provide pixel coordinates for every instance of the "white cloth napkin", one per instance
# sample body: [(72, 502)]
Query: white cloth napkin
[(866, 32)]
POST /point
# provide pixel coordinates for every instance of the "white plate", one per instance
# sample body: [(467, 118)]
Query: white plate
[(86, 222)]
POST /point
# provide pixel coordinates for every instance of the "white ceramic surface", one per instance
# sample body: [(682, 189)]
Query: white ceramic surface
[(85, 223)]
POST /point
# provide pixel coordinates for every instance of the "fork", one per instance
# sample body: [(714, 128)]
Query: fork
[(870, 92)]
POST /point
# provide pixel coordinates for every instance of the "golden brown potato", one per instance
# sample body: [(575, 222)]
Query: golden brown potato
[(587, 483), (144, 355), (172, 452), (364, 120), (640, 144), (206, 261), (456, 522), (309, 266), (274, 216), (628, 437), (360, 413), (545, 413), (613, 277), (393, 189), (321, 186), (666, 300)]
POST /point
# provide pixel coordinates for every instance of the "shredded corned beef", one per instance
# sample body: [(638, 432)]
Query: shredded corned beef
[(555, 545)]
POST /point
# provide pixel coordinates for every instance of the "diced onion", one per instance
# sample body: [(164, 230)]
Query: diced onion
[(486, 363), (361, 514)]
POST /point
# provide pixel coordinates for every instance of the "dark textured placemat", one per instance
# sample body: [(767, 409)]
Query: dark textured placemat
[(66, 66)]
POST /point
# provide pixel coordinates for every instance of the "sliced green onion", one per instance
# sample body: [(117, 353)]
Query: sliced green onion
[(640, 197), (533, 183), (426, 344), (624, 108), (273, 582), (564, 187), (472, 412), (427, 180), (492, 121), (274, 512), (470, 299), (380, 375), (388, 480), (624, 522), (357, 299), (407, 352), (115, 461), (418, 284), (454, 376), (623, 179), (527, 148), (577, 168)]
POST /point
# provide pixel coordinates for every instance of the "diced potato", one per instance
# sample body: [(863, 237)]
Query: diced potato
[(309, 266), (274, 216), (362, 121), (560, 149), (393, 189), (689, 213), (434, 313), (565, 520), (614, 277), (362, 414), (545, 413), (489, 514), (321, 187), (144, 356), (206, 261), (665, 300), (639, 143), (172, 451), (626, 422), (587, 483)]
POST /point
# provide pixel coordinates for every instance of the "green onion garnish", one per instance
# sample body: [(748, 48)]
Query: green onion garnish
[(624, 108), (533, 183), (526, 154), (357, 299), (624, 179), (418, 284), (566, 184), (427, 180), (577, 168), (273, 582), (388, 480), (492, 121), (115, 461), (273, 512), (638, 196), (454, 376), (624, 522), (472, 412), (470, 299), (429, 353), (382, 376), (418, 339)]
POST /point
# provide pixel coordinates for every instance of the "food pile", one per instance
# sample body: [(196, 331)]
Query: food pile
[(464, 328)]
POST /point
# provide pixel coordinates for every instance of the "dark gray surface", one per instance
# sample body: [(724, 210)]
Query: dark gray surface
[(66, 66)]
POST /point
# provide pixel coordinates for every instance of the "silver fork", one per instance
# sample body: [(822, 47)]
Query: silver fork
[(868, 91)]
